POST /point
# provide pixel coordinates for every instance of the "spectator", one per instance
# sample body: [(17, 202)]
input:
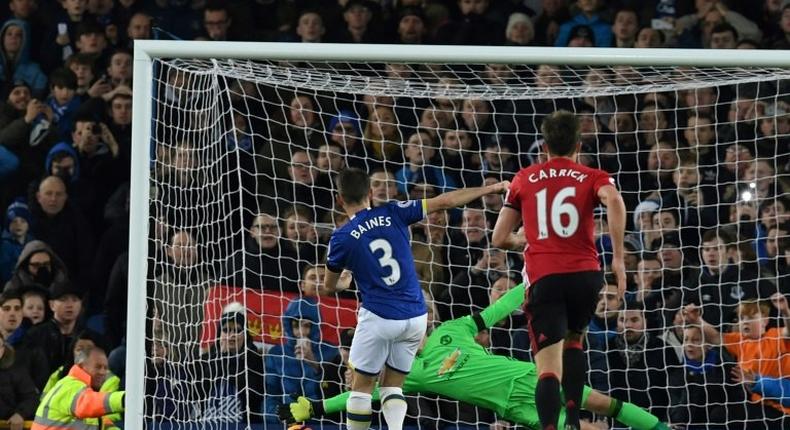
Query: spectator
[(602, 332), (37, 265), (138, 28), (383, 187), (57, 222), (91, 40), (411, 26), (695, 30), (310, 27), (87, 86), (311, 280), (720, 286), (382, 137), (624, 28), (268, 262), (431, 253), (358, 15), (34, 304), (55, 336), (601, 31), (710, 395), (25, 131), (299, 364), (329, 161), (18, 394), (782, 38), (63, 101), (301, 188), (508, 337), (468, 291), (470, 27), (177, 323), (216, 22), (519, 31), (233, 379), (15, 236), (14, 328), (419, 168), (301, 236), (345, 130), (15, 61), (468, 242), (119, 68), (459, 157), (547, 24), (649, 37), (758, 349), (641, 368), (643, 232), (723, 36)]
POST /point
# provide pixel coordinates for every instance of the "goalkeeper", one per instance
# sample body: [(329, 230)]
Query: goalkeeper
[(453, 365)]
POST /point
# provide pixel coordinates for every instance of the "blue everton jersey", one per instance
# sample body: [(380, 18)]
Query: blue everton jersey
[(375, 246)]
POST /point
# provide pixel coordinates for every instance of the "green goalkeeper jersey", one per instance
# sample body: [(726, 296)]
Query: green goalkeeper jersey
[(453, 365)]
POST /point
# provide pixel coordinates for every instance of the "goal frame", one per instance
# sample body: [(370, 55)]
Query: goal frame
[(146, 51)]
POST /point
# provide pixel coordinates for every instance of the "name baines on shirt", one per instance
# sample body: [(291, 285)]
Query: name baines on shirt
[(370, 224)]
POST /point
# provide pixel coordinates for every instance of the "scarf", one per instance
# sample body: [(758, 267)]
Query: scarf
[(634, 353), (702, 367)]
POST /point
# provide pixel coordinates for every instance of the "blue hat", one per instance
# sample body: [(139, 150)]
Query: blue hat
[(346, 116), (18, 209)]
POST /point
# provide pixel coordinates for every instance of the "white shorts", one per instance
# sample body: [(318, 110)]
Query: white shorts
[(378, 341)]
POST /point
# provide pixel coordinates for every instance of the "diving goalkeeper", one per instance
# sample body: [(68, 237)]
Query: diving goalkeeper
[(453, 365)]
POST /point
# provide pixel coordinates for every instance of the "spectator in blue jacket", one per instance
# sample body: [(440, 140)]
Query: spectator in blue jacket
[(15, 62), (418, 168), (602, 30), (15, 236), (301, 363)]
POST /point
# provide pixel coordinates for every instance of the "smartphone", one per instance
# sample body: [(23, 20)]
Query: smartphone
[(62, 28)]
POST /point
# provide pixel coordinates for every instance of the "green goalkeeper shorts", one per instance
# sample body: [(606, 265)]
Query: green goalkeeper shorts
[(521, 407)]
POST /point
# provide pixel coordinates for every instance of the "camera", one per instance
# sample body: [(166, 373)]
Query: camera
[(96, 128)]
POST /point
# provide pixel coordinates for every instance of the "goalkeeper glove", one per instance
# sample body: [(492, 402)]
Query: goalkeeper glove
[(301, 410)]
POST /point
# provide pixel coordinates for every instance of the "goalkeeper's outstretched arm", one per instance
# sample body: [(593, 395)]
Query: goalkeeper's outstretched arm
[(627, 413)]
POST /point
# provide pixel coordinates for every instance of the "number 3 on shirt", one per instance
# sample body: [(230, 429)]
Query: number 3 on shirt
[(386, 260), (558, 207)]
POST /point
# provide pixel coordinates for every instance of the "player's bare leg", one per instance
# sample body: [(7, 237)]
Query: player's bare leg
[(573, 378), (359, 404), (547, 393), (393, 404)]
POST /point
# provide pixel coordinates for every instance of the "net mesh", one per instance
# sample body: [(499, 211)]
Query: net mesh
[(242, 206)]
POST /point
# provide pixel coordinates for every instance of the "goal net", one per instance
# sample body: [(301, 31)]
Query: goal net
[(242, 202)]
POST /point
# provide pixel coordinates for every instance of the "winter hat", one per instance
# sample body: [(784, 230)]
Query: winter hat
[(344, 117), (644, 206), (18, 209), (233, 312)]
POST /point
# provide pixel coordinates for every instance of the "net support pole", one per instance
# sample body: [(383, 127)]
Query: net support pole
[(464, 54), (138, 238)]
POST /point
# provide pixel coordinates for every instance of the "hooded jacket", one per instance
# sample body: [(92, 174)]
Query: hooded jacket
[(287, 374), (67, 148), (23, 68), (22, 277)]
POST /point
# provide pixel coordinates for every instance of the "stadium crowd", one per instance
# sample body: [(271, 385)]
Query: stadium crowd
[(700, 337)]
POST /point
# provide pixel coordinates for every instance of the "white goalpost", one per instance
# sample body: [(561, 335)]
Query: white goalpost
[(232, 200)]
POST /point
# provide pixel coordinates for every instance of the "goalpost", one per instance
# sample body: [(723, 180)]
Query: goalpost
[(210, 118)]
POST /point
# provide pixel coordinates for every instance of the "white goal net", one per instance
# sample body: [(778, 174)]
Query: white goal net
[(243, 201)]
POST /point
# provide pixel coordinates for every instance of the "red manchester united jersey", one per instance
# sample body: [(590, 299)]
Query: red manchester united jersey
[(556, 200)]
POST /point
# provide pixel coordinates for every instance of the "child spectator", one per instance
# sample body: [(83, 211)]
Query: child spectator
[(63, 101), (710, 396), (758, 349), (312, 280), (519, 30), (344, 129), (310, 27), (419, 169), (601, 30), (14, 238), (34, 300), (299, 365), (61, 36), (15, 61)]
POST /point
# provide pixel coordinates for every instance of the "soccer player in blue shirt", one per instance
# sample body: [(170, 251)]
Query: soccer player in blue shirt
[(374, 246)]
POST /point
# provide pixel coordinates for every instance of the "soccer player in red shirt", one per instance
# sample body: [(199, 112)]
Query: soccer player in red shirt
[(555, 201)]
